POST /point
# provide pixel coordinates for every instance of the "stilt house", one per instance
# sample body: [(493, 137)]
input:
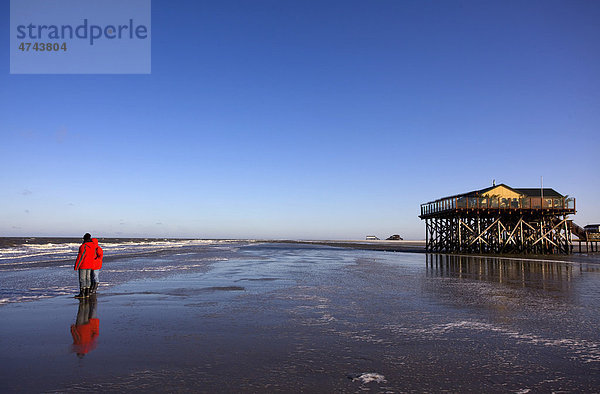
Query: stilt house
[(499, 219)]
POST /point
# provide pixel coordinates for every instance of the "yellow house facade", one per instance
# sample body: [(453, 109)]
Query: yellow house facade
[(502, 191)]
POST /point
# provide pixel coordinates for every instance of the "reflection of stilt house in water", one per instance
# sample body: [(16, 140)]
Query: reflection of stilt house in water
[(499, 219), (555, 276)]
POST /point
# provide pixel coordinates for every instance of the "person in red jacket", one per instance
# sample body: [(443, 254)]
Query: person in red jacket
[(84, 264), (96, 266)]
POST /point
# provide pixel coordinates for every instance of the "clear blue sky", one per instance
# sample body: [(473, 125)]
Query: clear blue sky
[(306, 119)]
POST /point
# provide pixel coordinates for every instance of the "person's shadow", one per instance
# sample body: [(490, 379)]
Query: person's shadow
[(86, 329)]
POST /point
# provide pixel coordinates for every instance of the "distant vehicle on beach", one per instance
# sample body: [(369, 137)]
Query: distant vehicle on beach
[(394, 237), (372, 238)]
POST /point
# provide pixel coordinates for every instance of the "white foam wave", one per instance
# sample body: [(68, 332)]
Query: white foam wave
[(368, 377), (26, 254), (587, 351), (38, 293), (24, 298), (31, 251)]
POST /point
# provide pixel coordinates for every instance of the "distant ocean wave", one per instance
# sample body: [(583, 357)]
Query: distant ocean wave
[(23, 253)]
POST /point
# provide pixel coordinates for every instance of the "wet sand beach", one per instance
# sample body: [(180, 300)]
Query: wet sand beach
[(579, 255), (388, 246), (273, 317)]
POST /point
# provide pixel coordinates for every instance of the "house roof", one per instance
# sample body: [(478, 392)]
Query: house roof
[(529, 192), (537, 192), (487, 189), (479, 192)]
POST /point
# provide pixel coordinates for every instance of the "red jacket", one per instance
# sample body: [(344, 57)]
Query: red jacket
[(98, 253), (85, 257)]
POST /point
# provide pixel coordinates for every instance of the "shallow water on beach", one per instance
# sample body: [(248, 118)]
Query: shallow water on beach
[(279, 317), (44, 268)]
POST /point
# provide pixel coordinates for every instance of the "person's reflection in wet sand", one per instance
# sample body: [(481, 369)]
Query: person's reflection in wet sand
[(86, 329)]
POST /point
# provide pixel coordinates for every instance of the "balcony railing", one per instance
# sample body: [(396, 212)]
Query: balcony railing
[(460, 203)]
